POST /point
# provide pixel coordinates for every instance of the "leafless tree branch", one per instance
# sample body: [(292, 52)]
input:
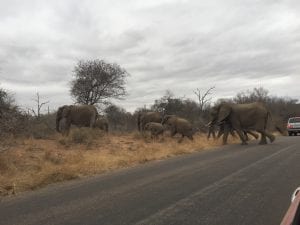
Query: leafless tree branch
[(203, 99)]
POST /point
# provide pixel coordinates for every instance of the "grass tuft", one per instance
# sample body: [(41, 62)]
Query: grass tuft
[(32, 163)]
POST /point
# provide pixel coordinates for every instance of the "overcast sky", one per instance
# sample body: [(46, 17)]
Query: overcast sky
[(179, 45)]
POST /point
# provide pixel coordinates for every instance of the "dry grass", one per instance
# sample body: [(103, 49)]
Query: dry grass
[(30, 163)]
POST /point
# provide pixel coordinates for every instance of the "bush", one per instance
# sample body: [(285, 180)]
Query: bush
[(82, 135), (40, 128)]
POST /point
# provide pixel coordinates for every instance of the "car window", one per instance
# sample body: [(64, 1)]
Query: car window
[(294, 120)]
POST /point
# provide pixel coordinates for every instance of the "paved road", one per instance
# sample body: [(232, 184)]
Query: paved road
[(231, 185)]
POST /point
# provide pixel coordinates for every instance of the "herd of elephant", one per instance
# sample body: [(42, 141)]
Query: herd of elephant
[(228, 118)]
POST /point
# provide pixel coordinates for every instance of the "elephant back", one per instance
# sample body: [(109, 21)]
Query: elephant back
[(82, 115), (183, 124), (152, 117)]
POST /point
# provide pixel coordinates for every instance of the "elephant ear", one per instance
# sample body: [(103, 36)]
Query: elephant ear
[(224, 112), (59, 115), (67, 111), (59, 112), (166, 118)]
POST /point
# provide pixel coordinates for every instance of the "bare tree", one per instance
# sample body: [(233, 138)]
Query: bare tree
[(256, 95), (12, 119), (40, 104), (203, 99), (96, 81)]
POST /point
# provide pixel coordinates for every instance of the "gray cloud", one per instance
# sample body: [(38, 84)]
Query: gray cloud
[(178, 45)]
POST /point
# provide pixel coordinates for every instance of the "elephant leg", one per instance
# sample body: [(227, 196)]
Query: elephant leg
[(256, 136), (225, 137), (66, 130), (232, 133), (67, 126), (226, 131), (246, 136), (270, 136), (222, 130), (265, 134), (263, 140), (214, 134), (143, 131), (211, 132), (181, 139), (173, 132), (151, 135), (242, 137), (220, 133), (208, 135), (92, 121), (162, 136), (142, 127)]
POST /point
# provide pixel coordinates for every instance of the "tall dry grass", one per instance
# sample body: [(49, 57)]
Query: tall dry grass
[(33, 163)]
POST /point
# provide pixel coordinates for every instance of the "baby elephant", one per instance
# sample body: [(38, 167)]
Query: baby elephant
[(155, 129), (180, 126), (102, 124)]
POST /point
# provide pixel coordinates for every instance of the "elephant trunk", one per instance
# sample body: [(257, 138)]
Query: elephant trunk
[(209, 124), (165, 119), (58, 117), (57, 124), (139, 121)]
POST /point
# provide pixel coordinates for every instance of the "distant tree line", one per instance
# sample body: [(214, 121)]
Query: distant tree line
[(97, 82)]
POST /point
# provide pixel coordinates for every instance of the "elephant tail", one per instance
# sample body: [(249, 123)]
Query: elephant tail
[(97, 115), (279, 129), (269, 117)]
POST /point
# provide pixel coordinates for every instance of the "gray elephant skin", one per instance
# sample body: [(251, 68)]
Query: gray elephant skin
[(147, 117), (155, 129), (252, 116), (102, 124), (179, 125), (225, 129), (78, 115)]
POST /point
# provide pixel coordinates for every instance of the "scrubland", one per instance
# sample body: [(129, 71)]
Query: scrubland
[(28, 163)]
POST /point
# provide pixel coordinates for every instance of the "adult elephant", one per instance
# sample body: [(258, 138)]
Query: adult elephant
[(102, 124), (78, 115), (179, 125), (244, 117), (147, 117), (224, 129)]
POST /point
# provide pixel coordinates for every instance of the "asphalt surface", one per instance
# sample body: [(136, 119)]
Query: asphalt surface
[(231, 185)]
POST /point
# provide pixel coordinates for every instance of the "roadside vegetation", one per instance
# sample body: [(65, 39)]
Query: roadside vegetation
[(32, 163), (33, 154)]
